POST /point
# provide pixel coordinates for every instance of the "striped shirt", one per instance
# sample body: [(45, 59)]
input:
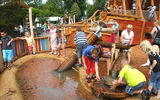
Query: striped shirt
[(80, 38)]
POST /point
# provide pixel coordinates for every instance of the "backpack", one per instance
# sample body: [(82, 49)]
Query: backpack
[(156, 40)]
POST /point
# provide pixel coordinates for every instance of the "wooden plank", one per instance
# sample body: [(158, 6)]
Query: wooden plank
[(30, 22), (122, 15), (139, 7), (1, 59), (123, 18), (124, 6), (159, 10), (142, 32), (43, 44)]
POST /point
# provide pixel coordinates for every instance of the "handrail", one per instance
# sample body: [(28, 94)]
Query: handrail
[(20, 47)]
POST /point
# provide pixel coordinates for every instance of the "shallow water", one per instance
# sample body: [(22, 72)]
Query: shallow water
[(38, 81)]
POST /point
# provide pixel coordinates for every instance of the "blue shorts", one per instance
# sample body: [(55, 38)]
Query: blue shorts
[(80, 48), (153, 78), (130, 90), (8, 55)]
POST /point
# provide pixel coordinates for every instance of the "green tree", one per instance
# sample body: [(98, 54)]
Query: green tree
[(55, 6), (90, 10), (75, 10), (34, 3), (81, 3), (99, 4), (11, 15)]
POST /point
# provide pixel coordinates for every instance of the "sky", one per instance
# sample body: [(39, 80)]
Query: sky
[(89, 1)]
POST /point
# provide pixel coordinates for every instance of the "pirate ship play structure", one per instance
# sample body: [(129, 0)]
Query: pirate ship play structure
[(141, 28)]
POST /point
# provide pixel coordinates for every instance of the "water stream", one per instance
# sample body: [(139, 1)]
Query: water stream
[(38, 81)]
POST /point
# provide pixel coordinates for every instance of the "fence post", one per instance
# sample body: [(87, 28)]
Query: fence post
[(1, 60), (30, 22)]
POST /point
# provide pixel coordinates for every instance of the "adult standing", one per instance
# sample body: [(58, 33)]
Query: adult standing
[(154, 58), (21, 29), (127, 38), (127, 35), (156, 33)]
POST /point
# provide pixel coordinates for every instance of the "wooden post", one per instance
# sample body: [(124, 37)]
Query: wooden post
[(108, 65), (136, 8), (142, 32), (155, 15), (124, 6), (74, 18), (159, 10), (139, 7), (30, 21), (69, 19), (1, 60)]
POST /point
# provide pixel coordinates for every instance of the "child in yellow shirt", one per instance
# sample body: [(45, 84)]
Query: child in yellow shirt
[(30, 41)]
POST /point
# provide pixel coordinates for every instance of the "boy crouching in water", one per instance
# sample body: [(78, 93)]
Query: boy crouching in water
[(30, 41), (135, 80), (90, 57)]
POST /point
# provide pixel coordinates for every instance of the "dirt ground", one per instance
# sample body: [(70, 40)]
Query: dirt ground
[(137, 59)]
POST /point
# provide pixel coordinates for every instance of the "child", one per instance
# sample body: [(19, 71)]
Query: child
[(151, 12), (30, 41), (134, 78), (98, 27), (61, 41), (154, 59), (53, 37), (7, 48), (90, 57), (114, 26), (80, 40)]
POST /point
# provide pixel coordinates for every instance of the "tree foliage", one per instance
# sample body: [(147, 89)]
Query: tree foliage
[(98, 4), (75, 10), (34, 3), (11, 15), (81, 3)]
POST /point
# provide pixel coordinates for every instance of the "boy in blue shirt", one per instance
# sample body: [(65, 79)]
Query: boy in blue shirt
[(90, 57), (7, 48)]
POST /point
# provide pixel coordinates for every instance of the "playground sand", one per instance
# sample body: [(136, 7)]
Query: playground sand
[(10, 91)]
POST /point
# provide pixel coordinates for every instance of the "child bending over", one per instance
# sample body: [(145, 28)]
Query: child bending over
[(90, 57), (135, 80)]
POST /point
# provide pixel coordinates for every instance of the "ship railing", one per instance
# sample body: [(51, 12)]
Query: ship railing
[(132, 12), (20, 47)]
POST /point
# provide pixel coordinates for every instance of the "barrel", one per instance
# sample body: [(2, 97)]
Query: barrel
[(72, 59)]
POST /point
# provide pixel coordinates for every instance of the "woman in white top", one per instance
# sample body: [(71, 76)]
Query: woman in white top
[(127, 35)]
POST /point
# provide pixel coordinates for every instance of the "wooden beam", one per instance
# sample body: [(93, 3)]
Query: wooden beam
[(109, 30), (159, 10), (124, 6), (123, 15), (136, 8), (142, 32), (30, 22), (110, 45), (155, 15), (1, 60), (139, 7)]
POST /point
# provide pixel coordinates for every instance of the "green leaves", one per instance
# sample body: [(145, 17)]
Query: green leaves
[(75, 10)]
